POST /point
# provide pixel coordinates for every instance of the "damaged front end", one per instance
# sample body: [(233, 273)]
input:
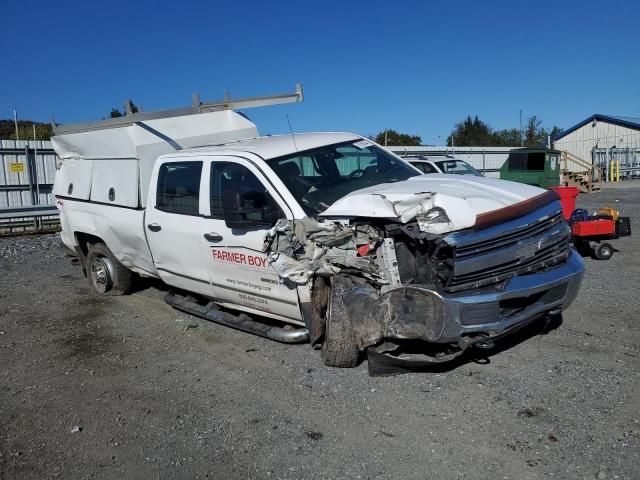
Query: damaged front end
[(419, 275)]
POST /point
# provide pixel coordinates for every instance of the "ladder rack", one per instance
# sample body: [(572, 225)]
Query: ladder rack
[(195, 108)]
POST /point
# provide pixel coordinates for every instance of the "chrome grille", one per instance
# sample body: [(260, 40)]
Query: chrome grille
[(534, 242)]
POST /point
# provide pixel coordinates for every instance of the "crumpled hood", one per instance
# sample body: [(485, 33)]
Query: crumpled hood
[(460, 197)]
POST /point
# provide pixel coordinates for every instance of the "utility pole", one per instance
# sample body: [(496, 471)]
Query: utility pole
[(15, 121), (521, 139), (385, 137)]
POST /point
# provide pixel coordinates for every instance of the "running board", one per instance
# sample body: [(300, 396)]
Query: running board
[(241, 321)]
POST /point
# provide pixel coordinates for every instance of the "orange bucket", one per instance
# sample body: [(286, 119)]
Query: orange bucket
[(568, 197)]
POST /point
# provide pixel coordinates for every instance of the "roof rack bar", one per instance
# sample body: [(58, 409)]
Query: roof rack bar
[(196, 107), (229, 104)]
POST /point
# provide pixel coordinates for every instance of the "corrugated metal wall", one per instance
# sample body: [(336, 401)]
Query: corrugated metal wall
[(627, 162), (487, 159), (35, 159), (600, 134)]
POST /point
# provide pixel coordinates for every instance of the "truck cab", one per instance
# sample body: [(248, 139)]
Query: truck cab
[(210, 209)]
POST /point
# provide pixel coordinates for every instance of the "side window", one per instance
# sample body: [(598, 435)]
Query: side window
[(424, 167), (228, 178), (179, 188)]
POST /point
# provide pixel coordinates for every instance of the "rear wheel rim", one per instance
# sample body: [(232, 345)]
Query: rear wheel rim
[(101, 273)]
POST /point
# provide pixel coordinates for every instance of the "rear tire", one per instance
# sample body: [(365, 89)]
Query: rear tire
[(603, 251), (339, 348), (106, 274)]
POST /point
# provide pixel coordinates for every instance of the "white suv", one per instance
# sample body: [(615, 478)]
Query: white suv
[(442, 164)]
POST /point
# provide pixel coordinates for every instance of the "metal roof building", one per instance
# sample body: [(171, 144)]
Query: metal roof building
[(599, 132)]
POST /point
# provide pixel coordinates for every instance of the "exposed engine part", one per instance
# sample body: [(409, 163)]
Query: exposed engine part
[(301, 248), (391, 271)]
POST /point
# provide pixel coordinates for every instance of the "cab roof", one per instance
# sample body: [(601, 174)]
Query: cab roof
[(273, 146)]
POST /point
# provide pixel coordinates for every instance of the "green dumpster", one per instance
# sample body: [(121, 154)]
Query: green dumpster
[(533, 166)]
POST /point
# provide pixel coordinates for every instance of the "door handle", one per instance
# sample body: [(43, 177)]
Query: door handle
[(213, 237), (154, 227)]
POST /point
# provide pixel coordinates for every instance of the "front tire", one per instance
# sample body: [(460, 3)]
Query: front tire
[(339, 348), (106, 274)]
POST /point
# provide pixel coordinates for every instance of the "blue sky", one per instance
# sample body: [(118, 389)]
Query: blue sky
[(417, 67)]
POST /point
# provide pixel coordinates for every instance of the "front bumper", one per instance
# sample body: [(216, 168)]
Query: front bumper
[(523, 297), (417, 312)]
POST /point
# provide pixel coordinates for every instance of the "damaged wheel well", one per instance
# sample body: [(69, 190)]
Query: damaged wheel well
[(84, 242)]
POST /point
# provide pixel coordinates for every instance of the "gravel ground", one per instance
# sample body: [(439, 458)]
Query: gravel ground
[(126, 387)]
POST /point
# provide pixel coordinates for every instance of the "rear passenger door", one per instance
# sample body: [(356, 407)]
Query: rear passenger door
[(175, 223)]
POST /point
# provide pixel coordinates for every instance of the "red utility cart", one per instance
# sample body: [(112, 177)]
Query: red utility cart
[(606, 224)]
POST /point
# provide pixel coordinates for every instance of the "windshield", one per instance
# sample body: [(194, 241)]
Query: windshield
[(458, 167), (319, 177)]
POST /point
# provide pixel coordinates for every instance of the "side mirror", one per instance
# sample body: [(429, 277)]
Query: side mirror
[(249, 210)]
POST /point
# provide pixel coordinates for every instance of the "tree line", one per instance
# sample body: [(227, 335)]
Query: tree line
[(44, 131), (476, 133), (473, 132)]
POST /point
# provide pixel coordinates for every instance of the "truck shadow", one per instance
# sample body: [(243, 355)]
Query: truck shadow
[(148, 283), (410, 356), (406, 358)]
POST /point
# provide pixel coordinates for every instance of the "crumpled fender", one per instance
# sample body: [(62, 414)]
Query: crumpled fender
[(406, 312)]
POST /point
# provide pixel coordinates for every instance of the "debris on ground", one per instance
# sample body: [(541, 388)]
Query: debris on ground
[(187, 324)]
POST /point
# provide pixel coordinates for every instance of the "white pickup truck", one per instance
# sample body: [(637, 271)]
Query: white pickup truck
[(320, 237)]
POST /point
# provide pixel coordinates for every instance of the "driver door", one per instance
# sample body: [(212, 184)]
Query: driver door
[(239, 271)]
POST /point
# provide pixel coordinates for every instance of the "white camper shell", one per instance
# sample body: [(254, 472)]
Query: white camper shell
[(327, 232)]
